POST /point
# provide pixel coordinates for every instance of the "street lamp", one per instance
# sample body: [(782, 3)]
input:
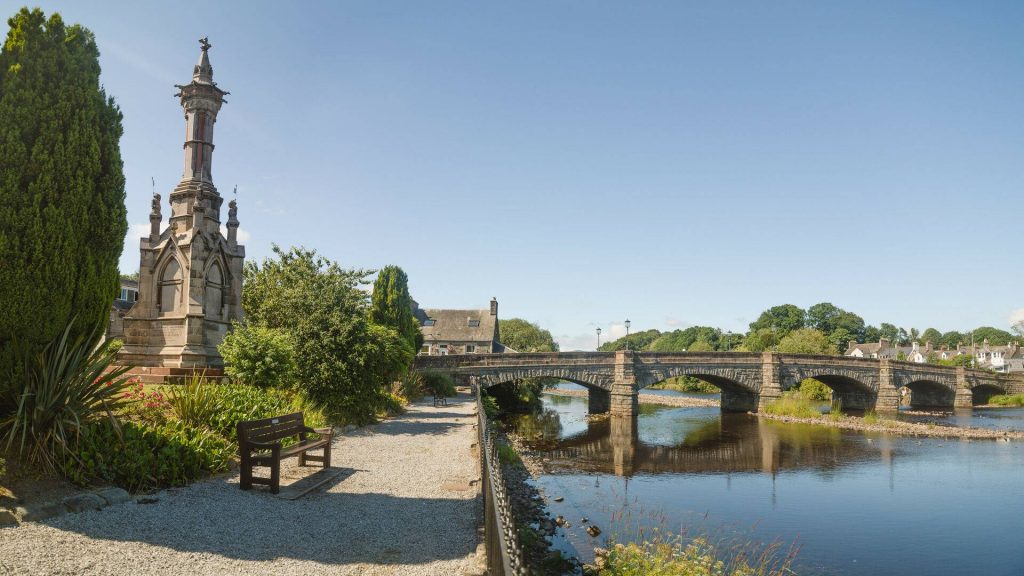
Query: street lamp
[(598, 337), (627, 333)]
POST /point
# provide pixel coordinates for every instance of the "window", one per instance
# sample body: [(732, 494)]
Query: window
[(425, 349), (128, 295), (214, 292), (474, 323), (428, 322), (170, 287), (443, 349), (470, 348)]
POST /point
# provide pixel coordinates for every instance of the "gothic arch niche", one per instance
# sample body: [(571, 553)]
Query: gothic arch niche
[(170, 287), (214, 299)]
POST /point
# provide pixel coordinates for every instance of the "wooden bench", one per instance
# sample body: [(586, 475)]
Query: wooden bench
[(259, 444), (439, 399)]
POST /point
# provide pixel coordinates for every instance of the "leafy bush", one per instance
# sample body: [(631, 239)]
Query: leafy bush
[(687, 384), (114, 345), (491, 409), (439, 383), (152, 407), (259, 356), (220, 407), (815, 390), (412, 386), (793, 404), (141, 457), (63, 387), (669, 557)]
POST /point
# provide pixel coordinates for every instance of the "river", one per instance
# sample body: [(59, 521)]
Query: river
[(855, 503)]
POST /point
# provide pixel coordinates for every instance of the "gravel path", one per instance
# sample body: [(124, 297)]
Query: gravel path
[(387, 514)]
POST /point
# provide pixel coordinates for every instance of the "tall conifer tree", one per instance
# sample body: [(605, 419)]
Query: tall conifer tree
[(391, 305), (62, 213)]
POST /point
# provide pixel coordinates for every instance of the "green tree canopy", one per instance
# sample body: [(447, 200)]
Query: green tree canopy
[(636, 341), (343, 362), (806, 341), (995, 336), (62, 213), (931, 335), (391, 305), (760, 340), (523, 336), (781, 319)]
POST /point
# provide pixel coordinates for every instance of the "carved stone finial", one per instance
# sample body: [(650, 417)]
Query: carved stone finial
[(232, 211), (205, 43), (156, 204)]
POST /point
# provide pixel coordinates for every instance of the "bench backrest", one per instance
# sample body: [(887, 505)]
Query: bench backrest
[(271, 429)]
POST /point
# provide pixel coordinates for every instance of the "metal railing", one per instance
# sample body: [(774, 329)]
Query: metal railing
[(504, 556)]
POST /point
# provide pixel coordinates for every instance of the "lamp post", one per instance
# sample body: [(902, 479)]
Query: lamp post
[(627, 333), (598, 337)]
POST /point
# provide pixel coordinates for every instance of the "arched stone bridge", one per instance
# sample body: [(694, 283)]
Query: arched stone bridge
[(748, 381)]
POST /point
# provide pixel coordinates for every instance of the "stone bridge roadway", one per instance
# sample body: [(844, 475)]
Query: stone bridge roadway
[(748, 381)]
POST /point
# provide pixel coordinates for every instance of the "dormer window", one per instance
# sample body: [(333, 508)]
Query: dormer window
[(428, 322), (474, 323)]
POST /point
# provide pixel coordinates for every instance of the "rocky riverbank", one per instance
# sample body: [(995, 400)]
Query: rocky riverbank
[(675, 401), (905, 428)]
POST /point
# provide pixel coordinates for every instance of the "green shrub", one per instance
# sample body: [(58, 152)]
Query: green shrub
[(871, 417), (687, 384), (259, 356), (793, 404), (508, 455), (114, 345), (140, 457), (220, 407), (670, 557), (63, 387), (150, 406), (491, 409), (815, 390), (439, 383), (412, 386), (1007, 400)]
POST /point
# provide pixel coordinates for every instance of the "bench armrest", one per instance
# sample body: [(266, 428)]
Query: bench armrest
[(327, 431)]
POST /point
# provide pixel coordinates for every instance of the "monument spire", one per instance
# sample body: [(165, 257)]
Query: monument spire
[(201, 99)]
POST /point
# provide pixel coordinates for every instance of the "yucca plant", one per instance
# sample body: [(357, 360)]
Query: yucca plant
[(63, 387), (195, 402)]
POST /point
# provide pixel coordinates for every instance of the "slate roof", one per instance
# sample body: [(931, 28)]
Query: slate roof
[(457, 325)]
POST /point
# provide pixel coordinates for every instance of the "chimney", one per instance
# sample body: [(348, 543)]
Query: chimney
[(883, 342), (851, 345), (494, 306)]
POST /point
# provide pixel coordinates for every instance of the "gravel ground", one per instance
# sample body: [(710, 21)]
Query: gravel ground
[(387, 514)]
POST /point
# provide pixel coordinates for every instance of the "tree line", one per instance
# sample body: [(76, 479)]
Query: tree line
[(821, 329)]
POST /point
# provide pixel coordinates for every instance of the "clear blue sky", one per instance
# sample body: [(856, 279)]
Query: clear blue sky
[(674, 163)]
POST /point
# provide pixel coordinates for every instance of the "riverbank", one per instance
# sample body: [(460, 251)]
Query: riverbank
[(674, 401), (904, 428)]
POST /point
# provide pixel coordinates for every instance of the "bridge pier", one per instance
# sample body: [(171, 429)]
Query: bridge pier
[(623, 437), (771, 387), (598, 401), (888, 397), (964, 398), (624, 397)]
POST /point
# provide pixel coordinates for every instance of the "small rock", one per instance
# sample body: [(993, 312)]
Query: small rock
[(584, 520), (560, 521), (147, 500), (82, 502), (114, 495), (594, 531), (559, 498), (7, 518)]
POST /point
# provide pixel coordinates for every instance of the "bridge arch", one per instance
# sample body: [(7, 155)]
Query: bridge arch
[(738, 393), (926, 393), (980, 393), (847, 392), (496, 377)]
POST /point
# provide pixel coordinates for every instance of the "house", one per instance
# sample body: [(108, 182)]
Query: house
[(1008, 358), (448, 332)]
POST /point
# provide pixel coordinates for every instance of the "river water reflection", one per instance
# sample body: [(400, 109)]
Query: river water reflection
[(856, 503)]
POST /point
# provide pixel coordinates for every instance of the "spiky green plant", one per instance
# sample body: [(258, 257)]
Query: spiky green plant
[(195, 402), (63, 387)]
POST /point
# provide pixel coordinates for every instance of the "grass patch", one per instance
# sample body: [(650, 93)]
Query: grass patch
[(836, 412), (870, 417), (793, 404), (1007, 400)]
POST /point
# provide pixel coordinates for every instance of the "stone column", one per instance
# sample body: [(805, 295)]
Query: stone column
[(964, 397), (771, 387), (888, 399), (598, 401), (624, 393)]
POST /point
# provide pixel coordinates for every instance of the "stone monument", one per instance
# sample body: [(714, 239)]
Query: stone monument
[(190, 276)]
